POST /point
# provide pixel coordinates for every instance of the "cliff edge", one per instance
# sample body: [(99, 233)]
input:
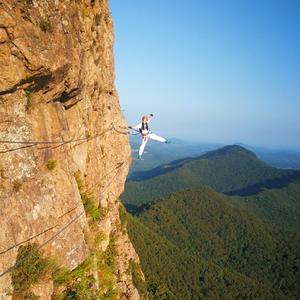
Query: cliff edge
[(64, 156)]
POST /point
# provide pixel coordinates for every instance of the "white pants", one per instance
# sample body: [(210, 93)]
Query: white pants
[(151, 136)]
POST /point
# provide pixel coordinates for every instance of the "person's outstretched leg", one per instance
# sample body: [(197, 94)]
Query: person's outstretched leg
[(142, 147), (158, 138)]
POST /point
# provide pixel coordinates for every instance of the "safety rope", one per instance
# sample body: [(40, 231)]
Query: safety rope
[(97, 184), (60, 143), (28, 144), (34, 143), (124, 132), (19, 262), (112, 127), (40, 233)]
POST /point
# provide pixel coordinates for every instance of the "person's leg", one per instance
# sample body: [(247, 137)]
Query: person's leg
[(142, 147), (158, 138)]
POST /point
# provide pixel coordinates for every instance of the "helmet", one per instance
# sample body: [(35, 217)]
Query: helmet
[(145, 119)]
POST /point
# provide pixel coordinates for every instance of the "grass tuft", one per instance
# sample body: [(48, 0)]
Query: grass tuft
[(89, 201), (28, 99), (51, 164), (123, 215), (90, 207), (46, 25)]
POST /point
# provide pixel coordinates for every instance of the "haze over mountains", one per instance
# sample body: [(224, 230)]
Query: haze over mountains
[(220, 225), (157, 154)]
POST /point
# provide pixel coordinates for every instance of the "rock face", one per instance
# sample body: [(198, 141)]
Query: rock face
[(59, 115)]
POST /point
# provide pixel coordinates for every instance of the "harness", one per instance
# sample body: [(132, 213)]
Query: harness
[(144, 130)]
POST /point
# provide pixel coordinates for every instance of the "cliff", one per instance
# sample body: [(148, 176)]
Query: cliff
[(64, 156)]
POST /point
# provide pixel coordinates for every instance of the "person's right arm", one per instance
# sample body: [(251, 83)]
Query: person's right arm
[(137, 127)]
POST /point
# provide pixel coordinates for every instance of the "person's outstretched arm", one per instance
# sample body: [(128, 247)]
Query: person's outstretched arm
[(150, 117), (136, 128)]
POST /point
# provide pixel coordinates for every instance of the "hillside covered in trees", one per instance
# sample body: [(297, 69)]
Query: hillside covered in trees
[(200, 244), (223, 225)]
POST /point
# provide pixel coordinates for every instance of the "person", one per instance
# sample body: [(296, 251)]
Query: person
[(143, 129)]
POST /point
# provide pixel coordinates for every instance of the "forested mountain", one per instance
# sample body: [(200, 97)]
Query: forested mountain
[(201, 244), (231, 169), (221, 225)]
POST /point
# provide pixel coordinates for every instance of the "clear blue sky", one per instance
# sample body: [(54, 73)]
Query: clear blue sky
[(211, 71)]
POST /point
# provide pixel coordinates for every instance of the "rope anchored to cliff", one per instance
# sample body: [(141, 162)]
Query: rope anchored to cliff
[(28, 144), (19, 262), (125, 130)]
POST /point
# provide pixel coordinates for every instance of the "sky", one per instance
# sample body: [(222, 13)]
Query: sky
[(225, 71)]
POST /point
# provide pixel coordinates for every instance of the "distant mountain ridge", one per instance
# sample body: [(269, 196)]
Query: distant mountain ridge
[(157, 154), (143, 175), (231, 170)]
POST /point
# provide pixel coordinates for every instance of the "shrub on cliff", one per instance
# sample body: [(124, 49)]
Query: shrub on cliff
[(29, 269)]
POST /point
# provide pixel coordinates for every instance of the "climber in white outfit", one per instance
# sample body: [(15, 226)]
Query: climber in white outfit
[(143, 129)]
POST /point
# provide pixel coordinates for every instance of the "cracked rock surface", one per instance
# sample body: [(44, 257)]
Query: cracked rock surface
[(57, 106)]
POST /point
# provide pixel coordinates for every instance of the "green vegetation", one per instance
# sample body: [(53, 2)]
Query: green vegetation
[(98, 19), (33, 268), (30, 269), (88, 198), (200, 244), (79, 180), (46, 25), (90, 207), (88, 135), (231, 169), (123, 215), (196, 243), (137, 277), (51, 164), (107, 272), (79, 283), (108, 257), (104, 262), (279, 207), (98, 238), (174, 273), (28, 99)]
